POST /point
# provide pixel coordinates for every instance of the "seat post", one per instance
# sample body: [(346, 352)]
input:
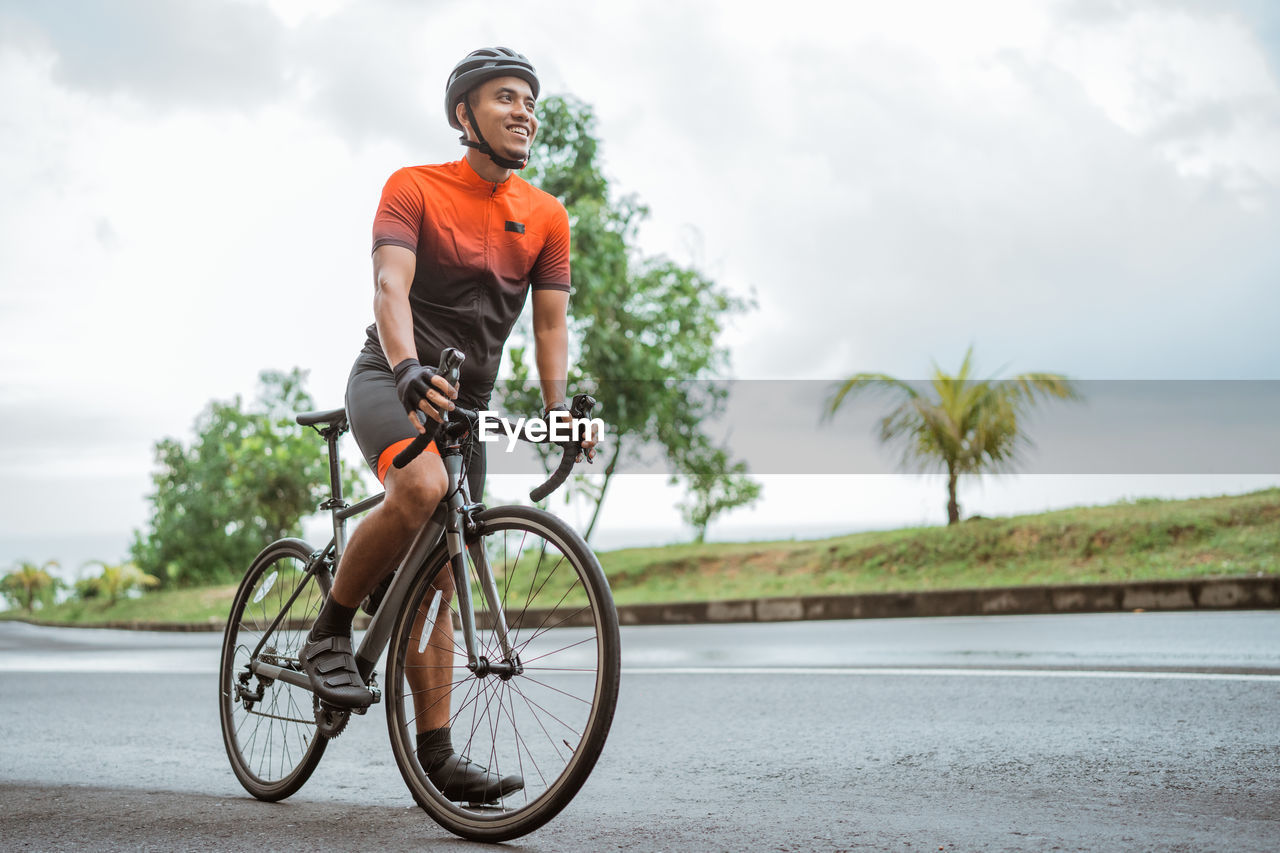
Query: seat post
[(331, 437)]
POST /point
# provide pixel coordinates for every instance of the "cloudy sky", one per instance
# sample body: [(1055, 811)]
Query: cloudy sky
[(186, 192)]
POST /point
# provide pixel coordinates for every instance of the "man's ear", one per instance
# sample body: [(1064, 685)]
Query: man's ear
[(460, 111)]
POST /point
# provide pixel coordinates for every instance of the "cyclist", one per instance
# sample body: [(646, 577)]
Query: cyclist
[(457, 248)]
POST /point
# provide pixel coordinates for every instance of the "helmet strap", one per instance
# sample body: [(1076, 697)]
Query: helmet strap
[(483, 146)]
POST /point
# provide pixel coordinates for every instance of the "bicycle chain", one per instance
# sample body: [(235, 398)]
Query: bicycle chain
[(278, 717)]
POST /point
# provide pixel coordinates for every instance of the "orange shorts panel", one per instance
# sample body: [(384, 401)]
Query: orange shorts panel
[(389, 455)]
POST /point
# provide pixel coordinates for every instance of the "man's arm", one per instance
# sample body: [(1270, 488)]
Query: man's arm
[(551, 349), (393, 268), (551, 343)]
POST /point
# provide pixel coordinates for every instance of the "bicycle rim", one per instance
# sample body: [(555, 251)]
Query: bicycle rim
[(546, 724), (269, 726)]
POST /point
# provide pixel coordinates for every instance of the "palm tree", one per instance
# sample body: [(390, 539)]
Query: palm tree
[(29, 583), (967, 425), (116, 580)]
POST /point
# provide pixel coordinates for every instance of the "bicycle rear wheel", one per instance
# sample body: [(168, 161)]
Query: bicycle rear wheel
[(268, 726), (546, 722)]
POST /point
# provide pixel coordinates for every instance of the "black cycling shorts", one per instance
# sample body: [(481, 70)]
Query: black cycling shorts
[(378, 420)]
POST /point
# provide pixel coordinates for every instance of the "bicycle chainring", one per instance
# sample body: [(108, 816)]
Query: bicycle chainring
[(330, 722)]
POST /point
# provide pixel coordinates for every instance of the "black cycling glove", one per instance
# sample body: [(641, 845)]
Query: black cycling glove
[(413, 380), (561, 407)]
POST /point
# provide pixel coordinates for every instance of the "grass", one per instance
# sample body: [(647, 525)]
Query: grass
[(1147, 539), (203, 604), (1144, 540)]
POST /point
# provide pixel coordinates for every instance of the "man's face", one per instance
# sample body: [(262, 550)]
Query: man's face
[(503, 108)]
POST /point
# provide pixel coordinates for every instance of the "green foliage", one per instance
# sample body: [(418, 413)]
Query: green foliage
[(1207, 537), (29, 585), (113, 582), (249, 478), (715, 485), (644, 331), (1236, 536), (967, 425)]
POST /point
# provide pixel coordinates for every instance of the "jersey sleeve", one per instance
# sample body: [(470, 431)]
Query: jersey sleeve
[(551, 269), (399, 216)]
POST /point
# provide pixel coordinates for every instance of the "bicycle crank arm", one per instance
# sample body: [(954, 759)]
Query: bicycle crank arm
[(279, 673), (263, 669)]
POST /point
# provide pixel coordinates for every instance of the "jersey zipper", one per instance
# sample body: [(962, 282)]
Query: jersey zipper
[(477, 309)]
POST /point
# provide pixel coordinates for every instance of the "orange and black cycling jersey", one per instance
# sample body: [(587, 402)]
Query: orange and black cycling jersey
[(480, 246)]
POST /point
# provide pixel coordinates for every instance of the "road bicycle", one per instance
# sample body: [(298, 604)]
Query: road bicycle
[(535, 668)]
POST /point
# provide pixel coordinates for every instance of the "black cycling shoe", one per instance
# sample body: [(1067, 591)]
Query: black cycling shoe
[(461, 780), (331, 666)]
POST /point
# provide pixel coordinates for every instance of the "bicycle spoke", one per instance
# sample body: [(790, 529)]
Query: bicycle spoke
[(545, 580), (520, 739), (493, 732), (558, 690), (448, 692), (533, 580), (466, 750), (542, 630), (575, 732), (510, 576), (590, 639), (557, 603), (538, 720)]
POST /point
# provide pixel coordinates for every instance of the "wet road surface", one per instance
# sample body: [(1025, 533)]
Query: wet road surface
[(1082, 732)]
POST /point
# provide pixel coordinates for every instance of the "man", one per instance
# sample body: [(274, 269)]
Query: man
[(456, 249)]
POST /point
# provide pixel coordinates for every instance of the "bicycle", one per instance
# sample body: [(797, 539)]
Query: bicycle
[(533, 682)]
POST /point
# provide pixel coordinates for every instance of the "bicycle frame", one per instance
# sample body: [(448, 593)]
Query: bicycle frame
[(447, 524)]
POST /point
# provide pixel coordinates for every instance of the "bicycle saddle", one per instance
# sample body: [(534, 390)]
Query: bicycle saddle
[(330, 417)]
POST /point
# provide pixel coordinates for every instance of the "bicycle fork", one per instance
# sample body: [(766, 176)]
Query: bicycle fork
[(455, 540)]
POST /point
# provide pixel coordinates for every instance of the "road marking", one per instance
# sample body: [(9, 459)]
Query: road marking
[(951, 672)]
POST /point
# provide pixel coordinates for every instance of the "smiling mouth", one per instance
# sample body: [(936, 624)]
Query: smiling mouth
[(520, 131)]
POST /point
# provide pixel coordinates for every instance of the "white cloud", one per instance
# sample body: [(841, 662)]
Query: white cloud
[(188, 190), (168, 54)]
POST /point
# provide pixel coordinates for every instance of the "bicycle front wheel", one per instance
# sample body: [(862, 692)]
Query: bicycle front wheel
[(268, 726), (545, 720)]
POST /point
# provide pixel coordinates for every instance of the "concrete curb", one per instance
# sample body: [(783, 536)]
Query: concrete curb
[(1205, 594), (1252, 593)]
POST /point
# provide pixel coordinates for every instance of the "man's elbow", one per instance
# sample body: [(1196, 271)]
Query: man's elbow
[(389, 288), (550, 340), (550, 329)]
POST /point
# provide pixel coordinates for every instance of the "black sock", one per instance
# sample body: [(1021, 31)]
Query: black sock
[(434, 747), (334, 620)]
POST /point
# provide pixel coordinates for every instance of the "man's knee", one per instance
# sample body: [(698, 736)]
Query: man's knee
[(414, 492)]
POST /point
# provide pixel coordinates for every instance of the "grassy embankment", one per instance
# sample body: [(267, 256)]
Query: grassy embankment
[(1144, 540)]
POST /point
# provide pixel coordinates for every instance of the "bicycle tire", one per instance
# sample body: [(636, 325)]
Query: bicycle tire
[(515, 723), (274, 763)]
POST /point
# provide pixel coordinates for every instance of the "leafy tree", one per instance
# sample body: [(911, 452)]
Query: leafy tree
[(28, 584), (715, 485), (114, 581), (248, 478), (644, 330), (967, 425)]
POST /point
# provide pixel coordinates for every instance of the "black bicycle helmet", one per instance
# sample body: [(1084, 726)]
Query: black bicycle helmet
[(477, 67)]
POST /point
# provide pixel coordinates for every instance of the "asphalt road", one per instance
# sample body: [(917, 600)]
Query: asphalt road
[(1083, 732)]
